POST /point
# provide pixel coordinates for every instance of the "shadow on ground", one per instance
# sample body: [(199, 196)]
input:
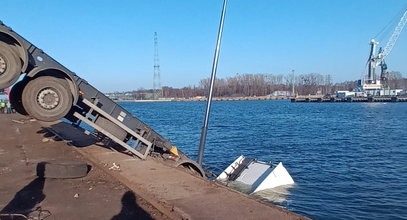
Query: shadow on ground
[(130, 209), (73, 135), (26, 199)]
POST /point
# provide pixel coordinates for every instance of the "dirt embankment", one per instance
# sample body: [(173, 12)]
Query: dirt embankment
[(117, 187), (24, 144)]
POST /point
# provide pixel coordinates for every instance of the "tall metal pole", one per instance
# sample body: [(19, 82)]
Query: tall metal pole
[(157, 90), (293, 82), (213, 76)]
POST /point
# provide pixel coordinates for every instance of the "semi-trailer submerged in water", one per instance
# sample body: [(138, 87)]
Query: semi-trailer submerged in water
[(49, 91)]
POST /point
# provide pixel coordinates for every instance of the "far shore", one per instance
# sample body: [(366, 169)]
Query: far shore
[(200, 99)]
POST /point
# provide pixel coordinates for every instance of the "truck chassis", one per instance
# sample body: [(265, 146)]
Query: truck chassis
[(49, 91)]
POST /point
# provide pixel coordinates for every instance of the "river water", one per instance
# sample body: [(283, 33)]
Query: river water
[(349, 160)]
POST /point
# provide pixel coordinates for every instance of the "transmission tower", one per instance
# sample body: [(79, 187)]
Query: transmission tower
[(157, 78)]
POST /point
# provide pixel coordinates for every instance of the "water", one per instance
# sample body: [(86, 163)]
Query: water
[(348, 159)]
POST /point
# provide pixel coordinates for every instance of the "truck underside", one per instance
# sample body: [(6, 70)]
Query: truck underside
[(49, 91)]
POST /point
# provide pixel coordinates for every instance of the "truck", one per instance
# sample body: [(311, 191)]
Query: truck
[(48, 91)]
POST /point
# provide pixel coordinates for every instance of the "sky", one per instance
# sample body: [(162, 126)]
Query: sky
[(111, 43)]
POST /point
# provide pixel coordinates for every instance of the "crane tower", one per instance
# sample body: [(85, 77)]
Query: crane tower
[(371, 84)]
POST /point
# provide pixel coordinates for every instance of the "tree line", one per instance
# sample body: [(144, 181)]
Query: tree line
[(243, 85)]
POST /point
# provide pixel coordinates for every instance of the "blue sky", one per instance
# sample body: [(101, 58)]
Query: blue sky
[(110, 43)]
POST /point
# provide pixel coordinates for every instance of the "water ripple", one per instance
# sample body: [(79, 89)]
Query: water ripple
[(349, 160)]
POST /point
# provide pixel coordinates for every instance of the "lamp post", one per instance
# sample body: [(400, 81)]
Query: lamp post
[(213, 76)]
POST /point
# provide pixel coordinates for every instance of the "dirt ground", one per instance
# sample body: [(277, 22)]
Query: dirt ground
[(23, 144), (135, 189)]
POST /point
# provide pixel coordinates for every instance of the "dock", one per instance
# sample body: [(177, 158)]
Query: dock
[(350, 99), (161, 191)]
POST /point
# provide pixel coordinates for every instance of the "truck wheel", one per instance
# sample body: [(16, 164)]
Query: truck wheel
[(47, 98), (15, 97), (191, 166), (10, 66), (62, 169)]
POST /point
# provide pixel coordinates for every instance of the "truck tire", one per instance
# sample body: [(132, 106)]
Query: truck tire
[(191, 166), (62, 169), (47, 98), (15, 97), (10, 66)]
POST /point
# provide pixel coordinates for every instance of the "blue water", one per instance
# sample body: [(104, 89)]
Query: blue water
[(348, 159)]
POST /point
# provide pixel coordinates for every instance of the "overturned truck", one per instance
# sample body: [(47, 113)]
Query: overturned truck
[(49, 91)]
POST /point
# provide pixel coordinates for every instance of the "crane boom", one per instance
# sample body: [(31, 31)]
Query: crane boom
[(390, 44)]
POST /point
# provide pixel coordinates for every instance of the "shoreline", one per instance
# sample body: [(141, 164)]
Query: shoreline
[(202, 99), (162, 191)]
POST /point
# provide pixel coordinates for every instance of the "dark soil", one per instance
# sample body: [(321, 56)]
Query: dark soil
[(96, 196)]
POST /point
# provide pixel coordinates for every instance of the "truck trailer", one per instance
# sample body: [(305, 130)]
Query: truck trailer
[(48, 91)]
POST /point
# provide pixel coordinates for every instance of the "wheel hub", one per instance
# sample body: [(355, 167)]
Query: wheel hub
[(3, 66), (48, 98)]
